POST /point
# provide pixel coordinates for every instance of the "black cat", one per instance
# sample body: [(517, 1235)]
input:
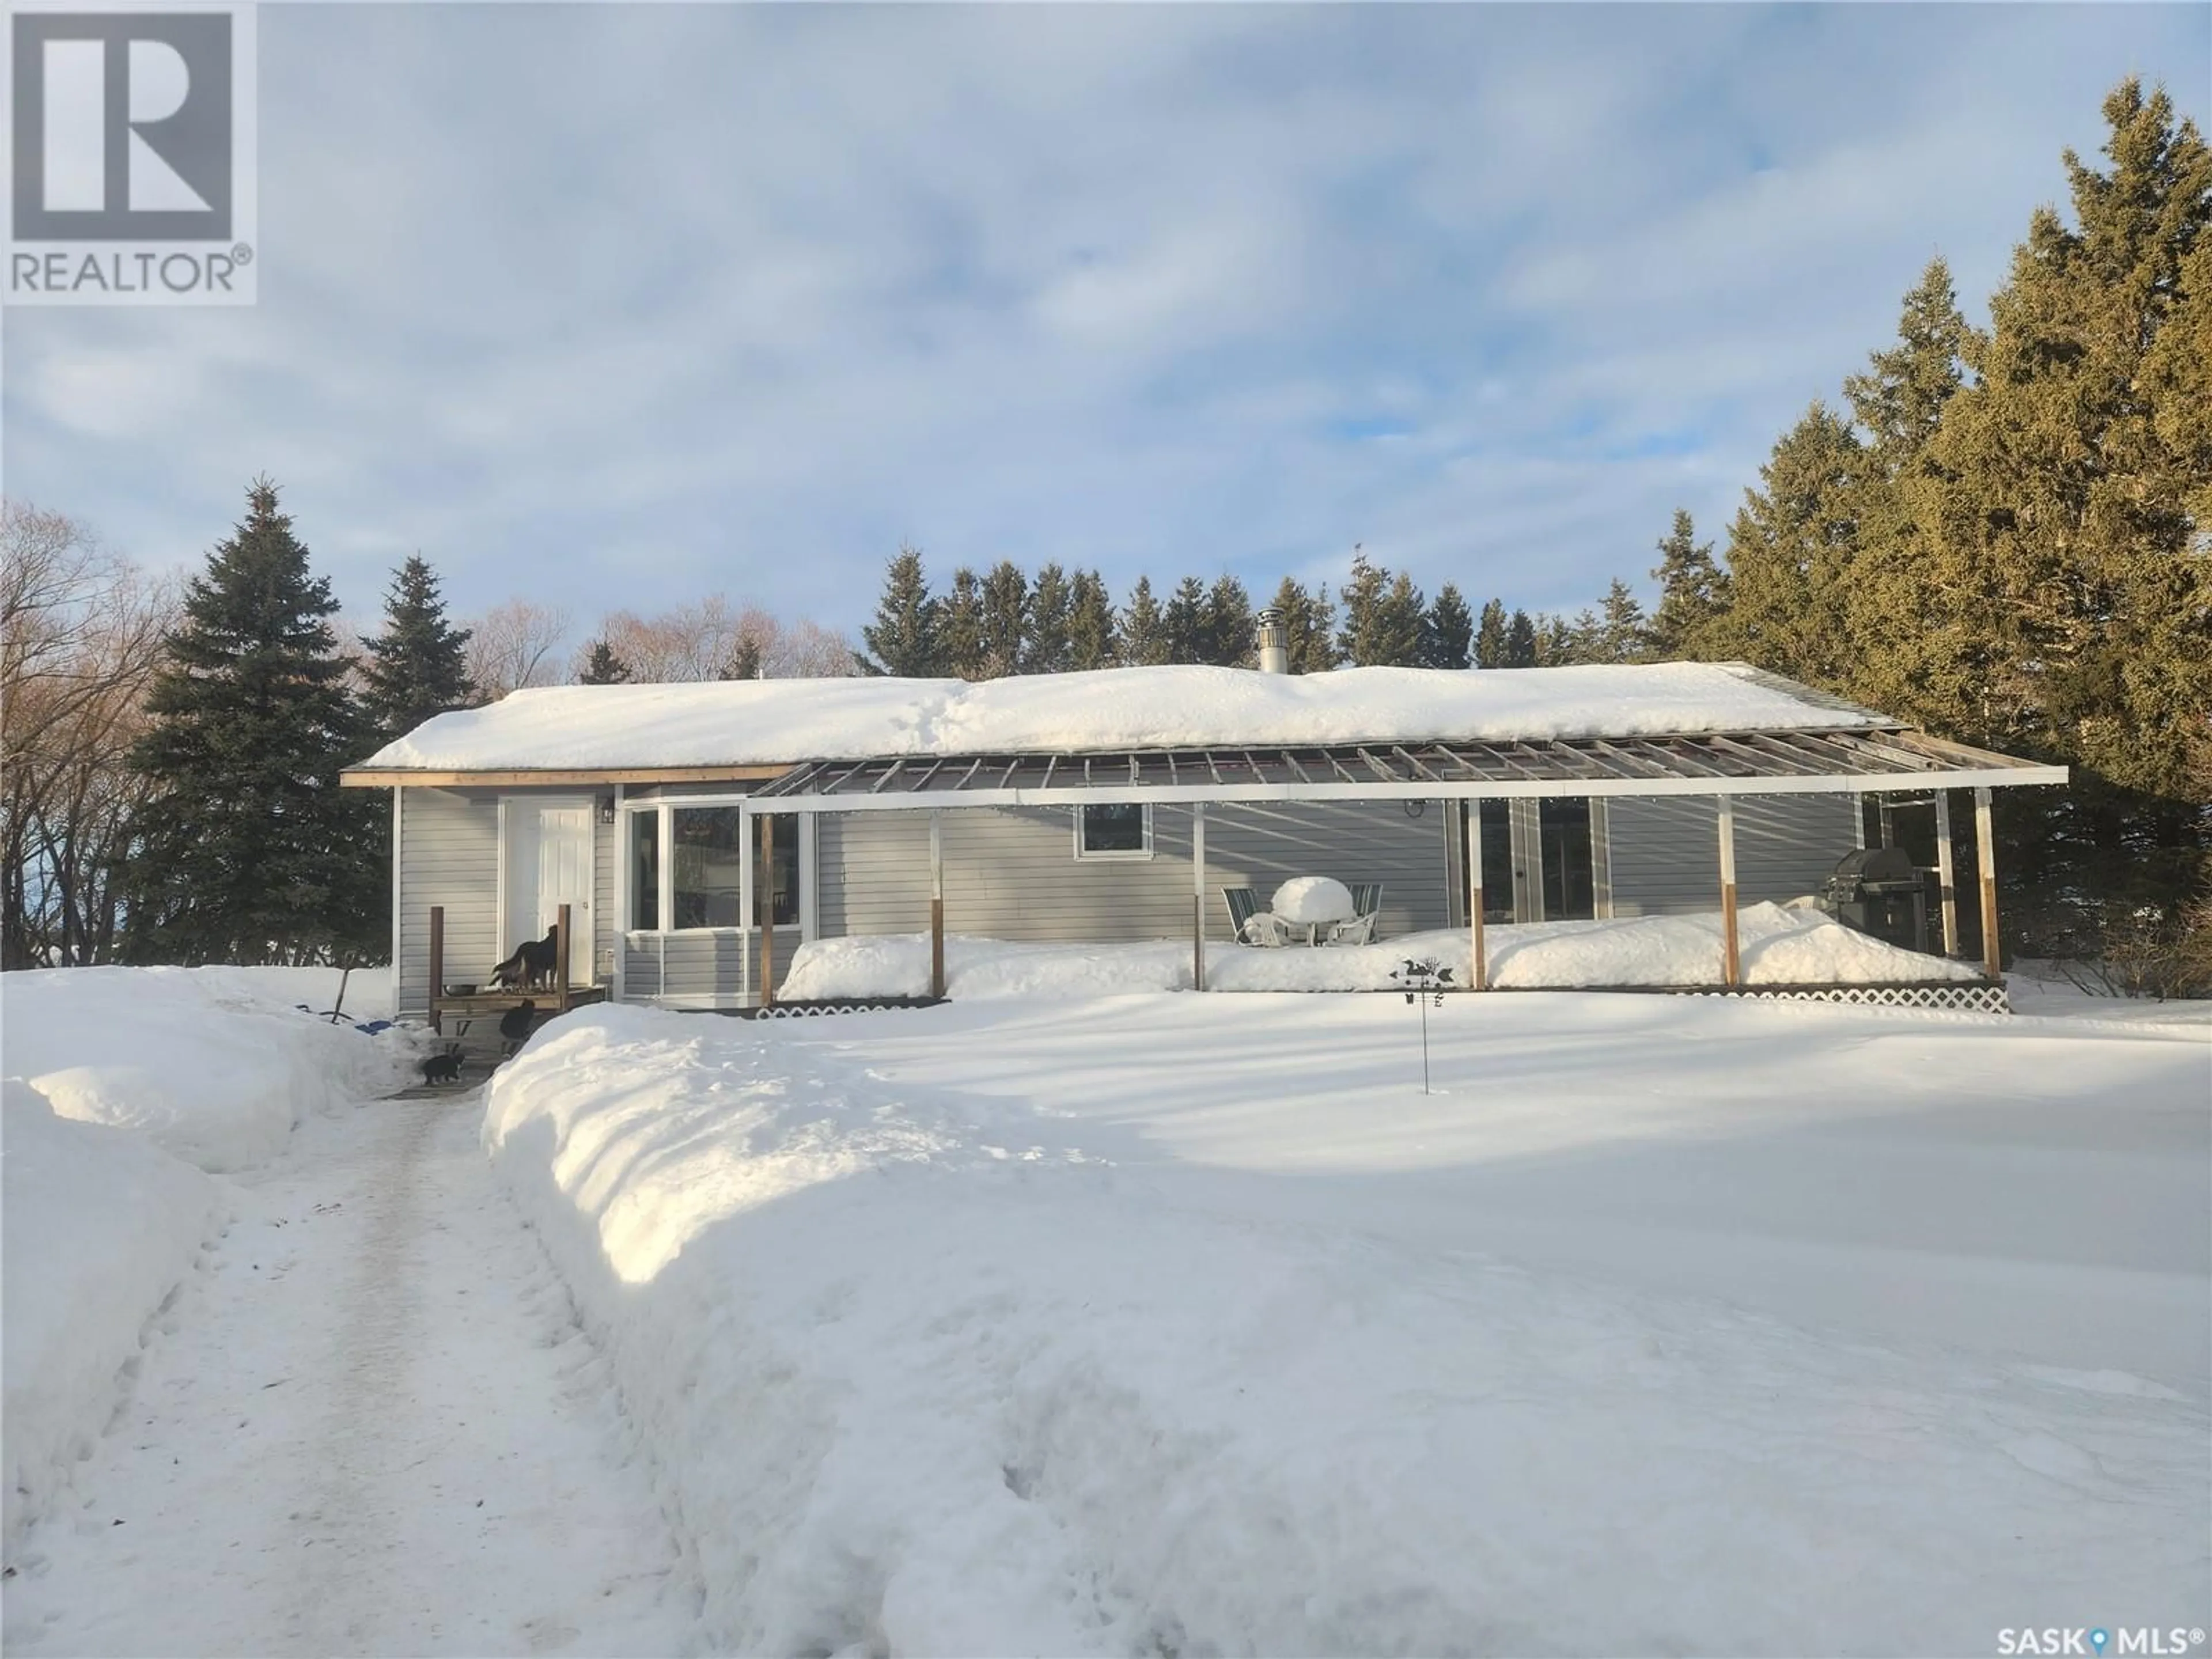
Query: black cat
[(530, 965), (514, 1025), (443, 1068)]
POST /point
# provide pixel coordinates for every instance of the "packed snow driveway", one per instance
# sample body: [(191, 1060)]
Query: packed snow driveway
[(370, 1425)]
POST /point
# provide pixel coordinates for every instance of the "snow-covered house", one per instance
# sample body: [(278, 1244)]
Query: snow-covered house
[(672, 820)]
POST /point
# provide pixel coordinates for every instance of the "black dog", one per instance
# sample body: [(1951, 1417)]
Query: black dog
[(443, 1068), (514, 1024), (530, 965)]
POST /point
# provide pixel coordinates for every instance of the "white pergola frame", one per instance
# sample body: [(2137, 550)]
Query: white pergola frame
[(1723, 765)]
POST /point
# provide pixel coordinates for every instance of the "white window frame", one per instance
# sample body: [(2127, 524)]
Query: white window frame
[(664, 809), (1133, 855)]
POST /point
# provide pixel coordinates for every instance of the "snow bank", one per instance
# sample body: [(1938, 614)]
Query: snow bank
[(756, 722), (97, 1228), (1778, 946), (213, 1064), (920, 1377)]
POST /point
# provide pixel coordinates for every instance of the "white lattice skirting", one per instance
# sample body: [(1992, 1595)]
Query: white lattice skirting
[(1967, 996)]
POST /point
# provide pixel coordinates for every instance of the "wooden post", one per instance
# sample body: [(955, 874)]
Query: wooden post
[(1883, 811), (1986, 846), (1731, 959), (936, 903), (561, 962), (437, 964), (1945, 878), (1198, 895), (765, 909), (1481, 980)]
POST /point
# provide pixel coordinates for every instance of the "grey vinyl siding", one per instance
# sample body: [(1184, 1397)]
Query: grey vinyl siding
[(1664, 850), (448, 855), (1012, 874), (701, 966)]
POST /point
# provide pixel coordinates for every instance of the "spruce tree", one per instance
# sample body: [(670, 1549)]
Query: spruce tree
[(1693, 593), (1490, 635), (1004, 620), (1622, 633), (418, 666), (1790, 555), (1144, 634), (1051, 602), (248, 850), (902, 640), (1228, 630), (1183, 620), (1309, 626), (602, 666), (1519, 642), (1447, 631), (960, 628), (1362, 594), (1092, 641), (745, 661)]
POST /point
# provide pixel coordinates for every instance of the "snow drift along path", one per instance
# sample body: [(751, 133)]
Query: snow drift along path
[(372, 1427)]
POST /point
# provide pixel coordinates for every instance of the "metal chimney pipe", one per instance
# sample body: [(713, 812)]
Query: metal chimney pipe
[(1274, 644)]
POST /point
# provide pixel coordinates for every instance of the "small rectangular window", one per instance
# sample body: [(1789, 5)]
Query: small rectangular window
[(1113, 832), (709, 865)]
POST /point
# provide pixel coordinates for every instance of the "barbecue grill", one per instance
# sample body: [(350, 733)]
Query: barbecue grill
[(1878, 891)]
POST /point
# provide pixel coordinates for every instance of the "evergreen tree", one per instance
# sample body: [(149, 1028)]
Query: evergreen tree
[(1362, 594), (1309, 626), (1184, 622), (1092, 641), (1051, 602), (1490, 635), (960, 628), (1790, 555), (1229, 632), (249, 852), (1005, 619), (904, 638), (1447, 631), (1384, 617), (603, 667), (1144, 633), (1622, 634), (418, 666), (1898, 402), (1561, 641), (1693, 593), (1519, 642)]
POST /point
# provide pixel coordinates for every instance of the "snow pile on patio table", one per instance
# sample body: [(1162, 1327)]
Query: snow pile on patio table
[(750, 722), (97, 1227), (922, 1376), (206, 1062), (1777, 946)]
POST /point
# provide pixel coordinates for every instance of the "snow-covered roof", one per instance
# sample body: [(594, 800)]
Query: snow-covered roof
[(775, 722)]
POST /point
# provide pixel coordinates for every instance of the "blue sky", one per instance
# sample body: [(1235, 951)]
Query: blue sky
[(618, 307)]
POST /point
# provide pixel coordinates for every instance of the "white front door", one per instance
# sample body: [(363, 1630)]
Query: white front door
[(549, 864)]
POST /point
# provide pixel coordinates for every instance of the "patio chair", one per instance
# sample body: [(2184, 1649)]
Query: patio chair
[(1242, 904), (1265, 928), (1360, 930), (1366, 899)]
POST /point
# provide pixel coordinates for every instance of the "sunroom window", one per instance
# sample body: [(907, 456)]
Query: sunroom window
[(1113, 832)]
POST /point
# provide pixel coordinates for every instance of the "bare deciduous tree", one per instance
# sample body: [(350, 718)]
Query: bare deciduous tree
[(515, 645), (711, 639), (80, 636)]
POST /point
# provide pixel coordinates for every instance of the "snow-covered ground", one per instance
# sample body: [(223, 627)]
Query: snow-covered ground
[(1183, 1325), (1778, 946), (370, 1426), (214, 1065)]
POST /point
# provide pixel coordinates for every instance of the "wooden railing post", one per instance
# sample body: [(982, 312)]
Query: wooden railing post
[(1986, 848), (1946, 887), (936, 903), (437, 964), (561, 962), (1475, 904), (766, 910), (1731, 958)]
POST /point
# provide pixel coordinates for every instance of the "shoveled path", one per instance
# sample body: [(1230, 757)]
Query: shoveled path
[(369, 1425)]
